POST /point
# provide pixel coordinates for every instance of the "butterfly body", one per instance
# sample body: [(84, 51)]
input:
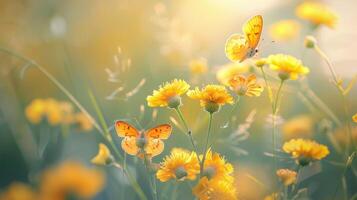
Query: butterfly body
[(138, 143), (242, 46)]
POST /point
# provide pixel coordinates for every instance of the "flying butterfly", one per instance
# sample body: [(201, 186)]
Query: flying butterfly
[(142, 143), (240, 47)]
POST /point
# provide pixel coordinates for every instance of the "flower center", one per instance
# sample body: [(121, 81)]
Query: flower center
[(180, 173)]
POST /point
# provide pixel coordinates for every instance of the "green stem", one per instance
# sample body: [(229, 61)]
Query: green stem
[(151, 181), (206, 145), (189, 132), (270, 94), (231, 112)]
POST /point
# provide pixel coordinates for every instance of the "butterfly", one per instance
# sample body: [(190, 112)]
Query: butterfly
[(239, 47), (147, 143)]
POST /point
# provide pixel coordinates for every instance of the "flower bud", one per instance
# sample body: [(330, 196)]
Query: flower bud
[(284, 76), (209, 172), (310, 41), (212, 107), (260, 62), (174, 102), (180, 173)]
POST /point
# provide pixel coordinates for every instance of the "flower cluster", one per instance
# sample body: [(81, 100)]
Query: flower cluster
[(56, 113)]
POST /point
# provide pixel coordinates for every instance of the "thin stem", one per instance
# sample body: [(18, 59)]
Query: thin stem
[(270, 93), (231, 112), (133, 182), (152, 185), (275, 105), (206, 145), (189, 132), (328, 62)]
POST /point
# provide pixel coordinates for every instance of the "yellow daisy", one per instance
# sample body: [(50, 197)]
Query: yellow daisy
[(103, 156), (180, 165), (288, 66), (198, 66), (285, 30), (211, 97), (305, 151), (317, 14), (287, 176), (214, 190), (228, 71), (246, 86), (36, 110), (168, 94), (216, 167), (70, 178)]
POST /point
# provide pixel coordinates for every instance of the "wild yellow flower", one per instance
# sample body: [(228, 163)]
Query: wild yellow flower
[(285, 30), (103, 156), (287, 176), (83, 122), (288, 66), (35, 111), (305, 151), (228, 71), (300, 126), (168, 94), (211, 97), (18, 191), (214, 190), (180, 165), (198, 66), (216, 167), (55, 112), (354, 118), (316, 13), (246, 86), (70, 178), (260, 62)]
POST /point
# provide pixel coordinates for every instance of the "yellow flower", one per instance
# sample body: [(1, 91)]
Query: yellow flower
[(305, 151), (18, 191), (83, 122), (287, 66), (354, 118), (287, 176), (53, 111), (70, 178), (214, 190), (103, 157), (211, 96), (228, 71), (246, 86), (260, 62), (198, 66), (316, 13), (216, 167), (342, 138), (298, 127), (285, 30), (36, 110), (168, 94), (180, 165)]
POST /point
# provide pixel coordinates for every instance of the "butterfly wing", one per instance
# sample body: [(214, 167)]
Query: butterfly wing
[(252, 30), (162, 131), (124, 129), (129, 145), (237, 47), (154, 147)]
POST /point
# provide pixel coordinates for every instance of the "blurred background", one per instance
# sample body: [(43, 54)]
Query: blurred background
[(120, 50)]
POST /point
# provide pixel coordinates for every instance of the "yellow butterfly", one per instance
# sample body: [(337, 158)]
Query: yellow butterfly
[(147, 143), (239, 47)]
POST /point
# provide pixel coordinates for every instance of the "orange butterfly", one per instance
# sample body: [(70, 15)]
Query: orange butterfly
[(239, 47), (139, 143)]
